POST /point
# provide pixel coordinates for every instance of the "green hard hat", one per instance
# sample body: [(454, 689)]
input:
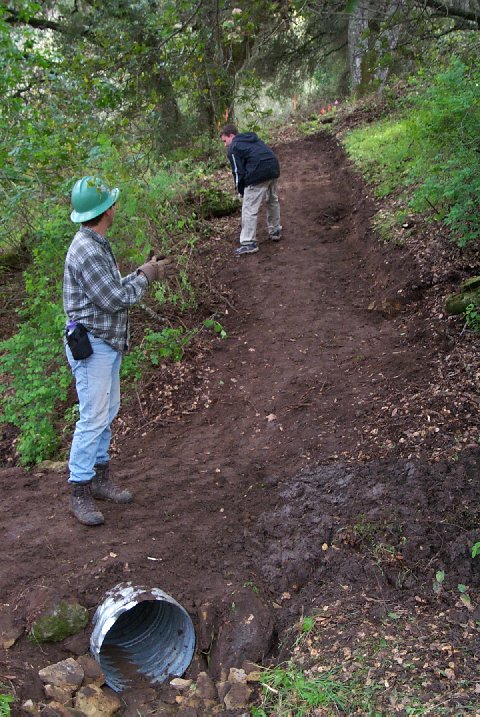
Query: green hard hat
[(91, 197)]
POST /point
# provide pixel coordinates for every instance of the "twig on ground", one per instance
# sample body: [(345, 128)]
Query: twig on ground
[(302, 403), (153, 315)]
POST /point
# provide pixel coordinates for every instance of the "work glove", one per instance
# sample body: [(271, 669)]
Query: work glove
[(150, 269), (156, 270), (166, 268)]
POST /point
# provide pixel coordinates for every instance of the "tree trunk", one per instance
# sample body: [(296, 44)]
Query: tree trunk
[(357, 44)]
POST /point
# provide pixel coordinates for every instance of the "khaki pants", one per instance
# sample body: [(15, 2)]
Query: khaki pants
[(253, 197)]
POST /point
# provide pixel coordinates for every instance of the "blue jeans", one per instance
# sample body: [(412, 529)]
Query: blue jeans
[(97, 380)]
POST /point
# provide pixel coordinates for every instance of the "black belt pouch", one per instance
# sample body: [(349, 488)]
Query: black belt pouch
[(79, 343)]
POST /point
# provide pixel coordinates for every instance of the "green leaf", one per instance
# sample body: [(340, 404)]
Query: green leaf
[(475, 550)]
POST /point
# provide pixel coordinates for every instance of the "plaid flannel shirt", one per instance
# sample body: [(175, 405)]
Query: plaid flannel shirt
[(94, 293)]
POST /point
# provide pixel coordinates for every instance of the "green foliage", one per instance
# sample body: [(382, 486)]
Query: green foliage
[(42, 157), (293, 692), (180, 294), (287, 691), (36, 379), (449, 114), (383, 150), (475, 550), (386, 224), (308, 623), (32, 362), (166, 345), (438, 581), (215, 326), (430, 149), (5, 702), (464, 595), (156, 346), (251, 585), (214, 202), (472, 318)]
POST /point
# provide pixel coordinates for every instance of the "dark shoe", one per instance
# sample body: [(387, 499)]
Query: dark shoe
[(276, 235), (83, 506), (250, 248), (104, 489)]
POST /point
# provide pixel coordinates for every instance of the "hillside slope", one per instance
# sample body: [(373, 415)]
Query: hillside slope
[(311, 448)]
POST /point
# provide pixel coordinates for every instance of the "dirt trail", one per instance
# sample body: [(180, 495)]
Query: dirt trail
[(233, 495)]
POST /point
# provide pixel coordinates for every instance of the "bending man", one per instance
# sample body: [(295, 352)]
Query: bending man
[(255, 170)]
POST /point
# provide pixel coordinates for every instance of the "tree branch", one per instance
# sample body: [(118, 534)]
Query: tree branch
[(454, 10), (39, 23)]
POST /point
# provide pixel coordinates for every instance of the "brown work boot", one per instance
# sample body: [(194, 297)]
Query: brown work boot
[(83, 506), (104, 489)]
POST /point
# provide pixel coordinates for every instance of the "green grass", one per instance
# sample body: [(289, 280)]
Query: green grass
[(384, 152), (287, 691), (427, 152)]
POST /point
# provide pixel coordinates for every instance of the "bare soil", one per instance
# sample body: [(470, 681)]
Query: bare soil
[(324, 455)]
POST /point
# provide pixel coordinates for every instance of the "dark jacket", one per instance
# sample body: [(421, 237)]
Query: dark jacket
[(252, 161)]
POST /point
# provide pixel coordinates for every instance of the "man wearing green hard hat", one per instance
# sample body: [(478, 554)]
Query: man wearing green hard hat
[(96, 299)]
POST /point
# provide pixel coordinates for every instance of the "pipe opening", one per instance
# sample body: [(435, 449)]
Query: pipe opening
[(141, 634)]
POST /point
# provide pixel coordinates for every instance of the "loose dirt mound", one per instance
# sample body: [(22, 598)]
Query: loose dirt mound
[(301, 474)]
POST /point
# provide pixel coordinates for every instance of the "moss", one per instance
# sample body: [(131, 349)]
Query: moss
[(61, 621)]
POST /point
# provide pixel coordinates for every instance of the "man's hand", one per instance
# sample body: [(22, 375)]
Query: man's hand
[(150, 269), (166, 267), (156, 270)]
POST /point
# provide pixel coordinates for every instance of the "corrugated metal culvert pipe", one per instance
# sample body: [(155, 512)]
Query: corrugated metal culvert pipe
[(141, 632)]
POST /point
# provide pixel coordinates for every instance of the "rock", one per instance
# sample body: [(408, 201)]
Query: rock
[(77, 644), (249, 666), (59, 622), (143, 701), (237, 697), (246, 634), (10, 630), (222, 689), (63, 695), (389, 307), (51, 467), (95, 702), (161, 710), (187, 712), (254, 676), (169, 694), (469, 293), (93, 673), (56, 709), (236, 676), (66, 673), (179, 684), (31, 707), (457, 303), (206, 626), (198, 664), (206, 689)]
